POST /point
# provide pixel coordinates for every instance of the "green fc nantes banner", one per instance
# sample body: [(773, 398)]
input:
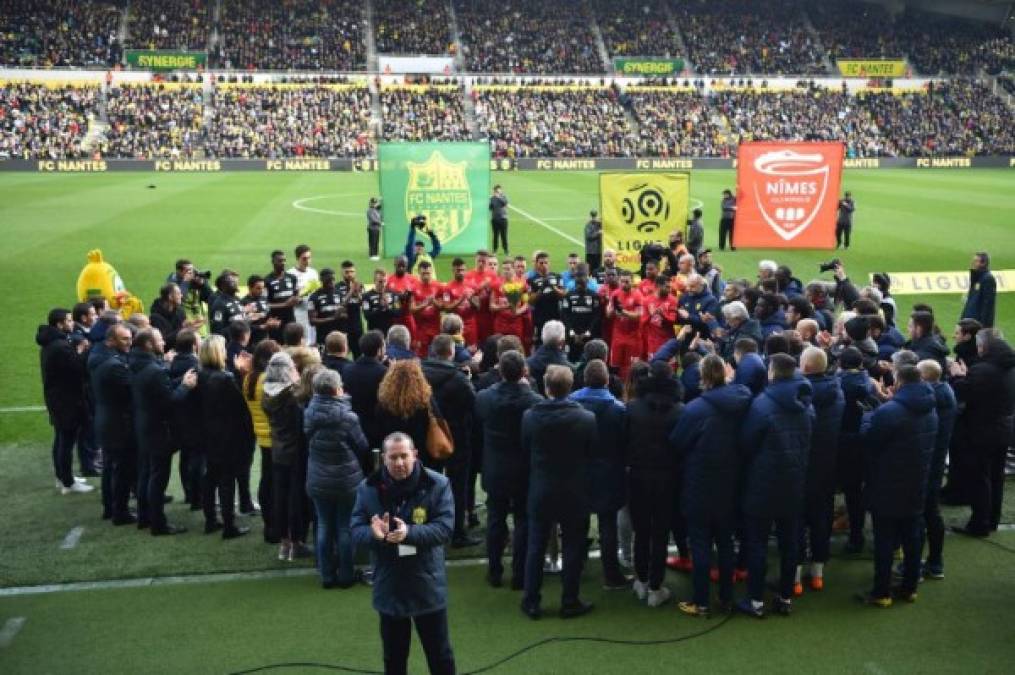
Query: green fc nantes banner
[(449, 183), (152, 59), (639, 208)]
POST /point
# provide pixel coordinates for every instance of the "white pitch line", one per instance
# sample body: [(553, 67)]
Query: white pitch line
[(10, 630), (299, 204), (72, 538), (23, 409), (545, 224)]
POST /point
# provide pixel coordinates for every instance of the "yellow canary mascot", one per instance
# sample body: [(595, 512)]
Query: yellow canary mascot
[(99, 278)]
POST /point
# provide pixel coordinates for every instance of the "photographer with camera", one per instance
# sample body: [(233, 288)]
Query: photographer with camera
[(374, 225), (845, 291), (415, 250)]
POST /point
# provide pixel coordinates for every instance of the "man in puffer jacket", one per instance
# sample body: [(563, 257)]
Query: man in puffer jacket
[(934, 525), (775, 442), (899, 439), (337, 450)]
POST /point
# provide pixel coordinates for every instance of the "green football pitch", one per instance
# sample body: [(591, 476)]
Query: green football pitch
[(905, 221)]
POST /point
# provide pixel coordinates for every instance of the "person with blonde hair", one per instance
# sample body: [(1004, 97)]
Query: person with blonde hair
[(253, 393), (404, 401), (229, 434)]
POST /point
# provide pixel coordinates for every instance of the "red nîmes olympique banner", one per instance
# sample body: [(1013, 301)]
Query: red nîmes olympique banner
[(787, 194)]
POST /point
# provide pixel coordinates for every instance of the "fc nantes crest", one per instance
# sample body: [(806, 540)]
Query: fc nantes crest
[(439, 189)]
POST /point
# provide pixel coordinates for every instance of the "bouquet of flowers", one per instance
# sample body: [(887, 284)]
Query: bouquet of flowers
[(515, 293)]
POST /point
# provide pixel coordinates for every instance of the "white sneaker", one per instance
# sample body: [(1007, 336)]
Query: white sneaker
[(77, 488), (77, 479), (656, 598), (373, 257), (640, 589)]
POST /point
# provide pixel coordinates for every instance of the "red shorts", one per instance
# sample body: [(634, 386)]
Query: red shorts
[(422, 341), (624, 350), (470, 331)]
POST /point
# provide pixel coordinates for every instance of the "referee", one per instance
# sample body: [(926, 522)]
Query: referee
[(498, 218)]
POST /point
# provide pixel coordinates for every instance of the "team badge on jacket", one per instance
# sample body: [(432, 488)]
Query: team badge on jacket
[(419, 515)]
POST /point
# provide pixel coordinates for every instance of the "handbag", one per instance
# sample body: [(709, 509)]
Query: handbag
[(439, 444)]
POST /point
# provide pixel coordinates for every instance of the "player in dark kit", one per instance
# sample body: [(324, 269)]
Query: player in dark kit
[(226, 307), (350, 294), (380, 305), (545, 291), (581, 311), (324, 306), (283, 293)]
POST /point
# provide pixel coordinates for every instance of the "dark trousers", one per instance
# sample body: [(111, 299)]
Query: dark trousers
[(63, 454), (220, 476), (498, 506), (141, 488), (192, 471), (651, 503), (725, 231), (608, 542), (106, 483), (243, 479), (160, 465), (287, 485), (264, 494), (842, 232), (122, 463), (594, 261), (573, 530), (702, 533), (987, 486), (457, 471), (432, 629), (934, 526), (758, 530), (500, 231), (850, 475), (889, 532), (373, 242), (678, 524), (816, 528), (353, 337)]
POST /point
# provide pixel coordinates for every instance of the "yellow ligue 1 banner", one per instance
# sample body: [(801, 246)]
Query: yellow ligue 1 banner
[(871, 67), (926, 283), (639, 208)]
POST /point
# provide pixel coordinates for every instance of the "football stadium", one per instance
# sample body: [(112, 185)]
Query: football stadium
[(595, 336)]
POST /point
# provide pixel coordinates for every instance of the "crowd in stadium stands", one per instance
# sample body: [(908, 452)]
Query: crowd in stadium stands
[(957, 117), (173, 24), (274, 122), (857, 30), (565, 122), (531, 36), (1008, 84), (412, 27), (59, 33), (154, 122), (638, 28), (298, 35), (45, 123), (424, 114), (741, 36), (676, 124), (937, 44)]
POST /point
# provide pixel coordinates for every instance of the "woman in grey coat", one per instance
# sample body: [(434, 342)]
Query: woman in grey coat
[(338, 449)]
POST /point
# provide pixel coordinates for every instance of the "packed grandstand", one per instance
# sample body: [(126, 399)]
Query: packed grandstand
[(530, 78)]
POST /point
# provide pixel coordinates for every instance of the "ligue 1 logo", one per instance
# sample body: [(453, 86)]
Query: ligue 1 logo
[(791, 191)]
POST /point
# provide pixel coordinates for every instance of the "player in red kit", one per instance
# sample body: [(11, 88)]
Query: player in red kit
[(509, 303), (402, 284), (626, 309), (660, 317), (425, 312), (483, 279), (647, 286), (610, 284), (459, 297)]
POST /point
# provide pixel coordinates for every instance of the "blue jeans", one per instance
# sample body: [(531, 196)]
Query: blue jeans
[(334, 537)]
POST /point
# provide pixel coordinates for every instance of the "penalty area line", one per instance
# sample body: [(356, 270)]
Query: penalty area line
[(10, 630)]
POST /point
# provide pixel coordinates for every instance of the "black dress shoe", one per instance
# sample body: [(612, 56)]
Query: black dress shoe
[(124, 520), (212, 527), (532, 611), (232, 532), (969, 532), (495, 580), (143, 524), (168, 530), (106, 515), (575, 609), (465, 541)]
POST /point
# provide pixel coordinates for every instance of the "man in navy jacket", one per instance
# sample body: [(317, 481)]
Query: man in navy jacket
[(405, 514), (775, 442), (947, 410), (899, 439)]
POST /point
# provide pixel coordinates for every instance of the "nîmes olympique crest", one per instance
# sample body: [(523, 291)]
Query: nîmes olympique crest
[(439, 189), (791, 189)]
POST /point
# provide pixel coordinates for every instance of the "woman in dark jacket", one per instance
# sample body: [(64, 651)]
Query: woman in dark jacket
[(707, 441), (336, 444), (651, 417), (404, 399), (229, 435), (285, 417)]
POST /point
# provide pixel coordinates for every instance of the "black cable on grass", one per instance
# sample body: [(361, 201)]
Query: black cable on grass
[(513, 655)]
